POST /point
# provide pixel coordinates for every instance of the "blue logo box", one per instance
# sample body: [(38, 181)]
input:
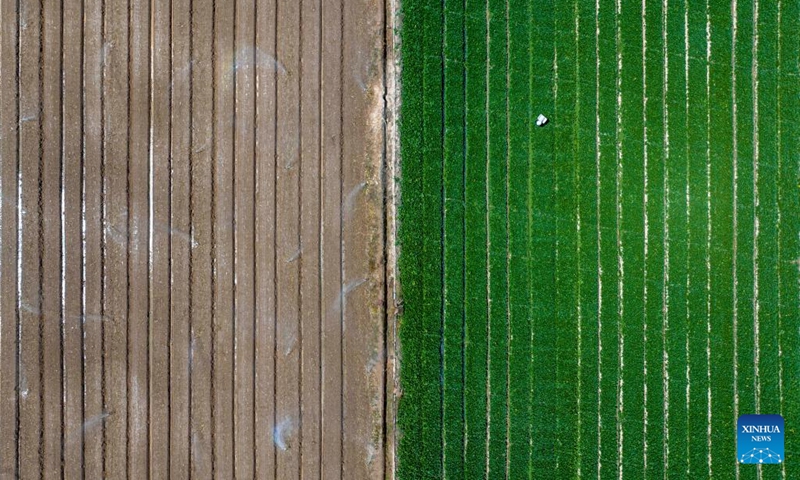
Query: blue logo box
[(759, 439)]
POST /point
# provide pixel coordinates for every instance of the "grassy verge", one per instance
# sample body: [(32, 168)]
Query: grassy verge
[(585, 171), (475, 257), (519, 261), (744, 217), (630, 176), (722, 374), (677, 224), (654, 264), (789, 242), (497, 195), (566, 257), (542, 246), (453, 175), (607, 233), (697, 220)]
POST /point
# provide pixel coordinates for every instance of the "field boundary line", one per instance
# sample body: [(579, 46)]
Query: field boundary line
[(708, 233), (734, 256), (665, 218), (645, 201), (598, 183)]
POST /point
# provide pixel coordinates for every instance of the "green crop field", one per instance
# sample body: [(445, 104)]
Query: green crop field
[(601, 296)]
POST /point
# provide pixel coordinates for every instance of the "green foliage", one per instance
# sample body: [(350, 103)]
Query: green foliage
[(602, 295)]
